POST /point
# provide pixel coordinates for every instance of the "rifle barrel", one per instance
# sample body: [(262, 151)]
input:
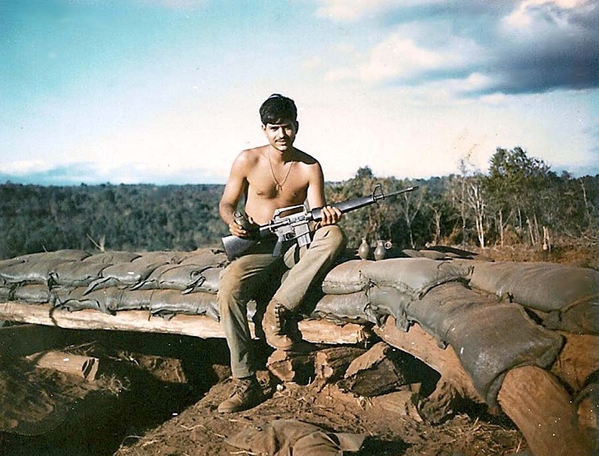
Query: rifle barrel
[(399, 192)]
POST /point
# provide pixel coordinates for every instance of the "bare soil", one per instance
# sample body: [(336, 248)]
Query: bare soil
[(162, 397)]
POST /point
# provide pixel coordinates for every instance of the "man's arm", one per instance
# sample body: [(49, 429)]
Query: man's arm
[(316, 198), (234, 190)]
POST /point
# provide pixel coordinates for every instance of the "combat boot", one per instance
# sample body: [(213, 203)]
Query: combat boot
[(247, 393), (280, 327)]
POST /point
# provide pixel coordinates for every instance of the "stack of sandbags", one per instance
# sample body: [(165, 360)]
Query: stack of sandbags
[(165, 283), (489, 338), (368, 291), (566, 297), (27, 278)]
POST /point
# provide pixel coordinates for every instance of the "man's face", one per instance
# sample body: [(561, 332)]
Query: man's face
[(281, 135)]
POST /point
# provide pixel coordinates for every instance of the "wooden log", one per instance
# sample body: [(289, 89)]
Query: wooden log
[(291, 367), (532, 397), (543, 411), (326, 332), (423, 346), (81, 366), (399, 402), (373, 373), (578, 359), (587, 402), (330, 364), (130, 320), (315, 331)]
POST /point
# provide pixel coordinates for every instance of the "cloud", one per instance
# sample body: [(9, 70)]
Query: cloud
[(399, 58), (93, 174), (344, 11), (175, 4), (341, 10), (532, 46)]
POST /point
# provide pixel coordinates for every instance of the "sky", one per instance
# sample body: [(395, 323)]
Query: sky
[(168, 91)]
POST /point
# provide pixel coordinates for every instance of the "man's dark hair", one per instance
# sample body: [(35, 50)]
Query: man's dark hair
[(276, 108)]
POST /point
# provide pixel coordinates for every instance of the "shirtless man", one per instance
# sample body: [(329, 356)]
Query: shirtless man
[(268, 178)]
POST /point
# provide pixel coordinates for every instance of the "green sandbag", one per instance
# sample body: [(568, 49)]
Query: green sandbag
[(345, 278), (344, 308), (35, 271), (489, 338), (415, 276), (183, 277), (31, 294), (167, 303), (541, 286), (113, 257), (76, 273), (206, 257), (580, 317)]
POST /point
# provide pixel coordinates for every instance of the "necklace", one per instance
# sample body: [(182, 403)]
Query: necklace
[(279, 185)]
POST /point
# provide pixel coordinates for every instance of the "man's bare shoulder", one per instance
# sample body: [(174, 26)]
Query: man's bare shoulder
[(252, 154), (305, 158), (249, 157)]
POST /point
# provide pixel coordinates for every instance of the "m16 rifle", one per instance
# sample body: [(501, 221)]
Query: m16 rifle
[(293, 222)]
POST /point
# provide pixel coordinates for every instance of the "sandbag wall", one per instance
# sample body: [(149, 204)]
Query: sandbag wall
[(488, 337), (164, 283), (482, 309)]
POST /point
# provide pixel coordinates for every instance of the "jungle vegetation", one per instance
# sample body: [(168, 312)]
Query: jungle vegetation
[(519, 199)]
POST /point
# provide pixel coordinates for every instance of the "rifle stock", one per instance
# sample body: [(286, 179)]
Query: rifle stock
[(283, 227)]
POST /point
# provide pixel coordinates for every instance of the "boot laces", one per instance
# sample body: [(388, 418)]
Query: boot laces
[(242, 386)]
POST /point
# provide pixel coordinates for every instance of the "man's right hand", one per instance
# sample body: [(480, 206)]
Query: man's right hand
[(242, 225)]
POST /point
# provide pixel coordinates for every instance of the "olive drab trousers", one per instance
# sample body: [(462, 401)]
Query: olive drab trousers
[(240, 280)]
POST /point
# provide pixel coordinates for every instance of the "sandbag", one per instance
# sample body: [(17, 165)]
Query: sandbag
[(580, 317), (6, 293), (166, 303), (346, 278), (385, 301), (76, 273), (295, 438), (162, 257), (111, 257), (489, 338), (31, 294), (10, 262), (414, 276), (105, 300), (206, 257), (64, 254), (541, 286), (133, 300), (130, 273), (183, 277), (108, 300), (34, 271), (351, 307)]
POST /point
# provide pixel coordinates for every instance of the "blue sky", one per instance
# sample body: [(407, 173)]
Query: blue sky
[(167, 91)]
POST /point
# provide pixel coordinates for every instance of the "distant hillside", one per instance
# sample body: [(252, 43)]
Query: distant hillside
[(519, 201), (116, 217)]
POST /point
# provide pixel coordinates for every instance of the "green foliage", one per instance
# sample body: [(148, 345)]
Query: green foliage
[(123, 217), (513, 202)]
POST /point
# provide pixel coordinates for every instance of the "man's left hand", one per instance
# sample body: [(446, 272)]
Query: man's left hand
[(330, 216)]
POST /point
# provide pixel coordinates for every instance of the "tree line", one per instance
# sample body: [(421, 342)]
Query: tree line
[(518, 200)]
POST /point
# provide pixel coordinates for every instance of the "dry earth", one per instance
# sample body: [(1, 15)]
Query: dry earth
[(148, 404)]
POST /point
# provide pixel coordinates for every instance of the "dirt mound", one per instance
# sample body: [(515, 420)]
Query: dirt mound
[(200, 429), (155, 395)]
